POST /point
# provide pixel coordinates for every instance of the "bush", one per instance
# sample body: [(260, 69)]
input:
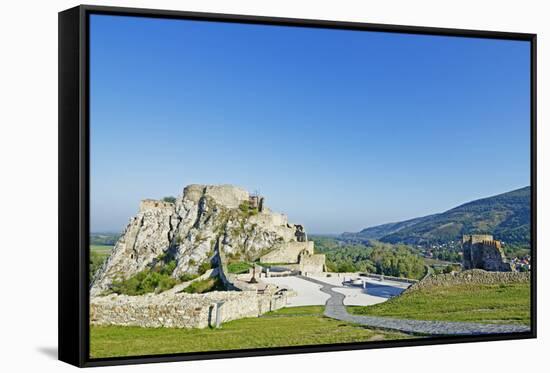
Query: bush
[(156, 279), (244, 207), (246, 210), (188, 277), (168, 268), (204, 267), (238, 267), (204, 286), (170, 199)]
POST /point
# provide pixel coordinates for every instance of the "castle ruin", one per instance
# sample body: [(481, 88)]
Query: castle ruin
[(256, 202), (481, 251)]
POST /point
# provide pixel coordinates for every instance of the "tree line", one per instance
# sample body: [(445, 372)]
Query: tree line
[(375, 257)]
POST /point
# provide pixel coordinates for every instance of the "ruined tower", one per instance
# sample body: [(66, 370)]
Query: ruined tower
[(256, 202), (483, 252)]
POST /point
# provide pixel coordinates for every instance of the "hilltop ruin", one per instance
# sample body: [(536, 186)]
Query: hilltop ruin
[(207, 224), (481, 251)]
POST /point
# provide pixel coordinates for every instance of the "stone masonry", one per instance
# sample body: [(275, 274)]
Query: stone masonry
[(181, 310), (473, 276), (483, 252), (298, 256)]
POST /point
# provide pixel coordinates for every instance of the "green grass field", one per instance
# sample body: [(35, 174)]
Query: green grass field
[(287, 327), (98, 254), (101, 249), (502, 304)]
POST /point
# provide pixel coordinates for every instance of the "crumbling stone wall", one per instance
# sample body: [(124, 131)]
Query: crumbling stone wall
[(225, 195), (482, 252), (474, 276), (301, 235), (149, 204), (181, 310), (288, 252), (256, 202), (312, 263)]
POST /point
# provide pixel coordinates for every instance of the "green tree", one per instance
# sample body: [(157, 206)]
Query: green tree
[(170, 199)]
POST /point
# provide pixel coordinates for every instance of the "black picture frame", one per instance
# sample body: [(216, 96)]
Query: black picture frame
[(74, 201)]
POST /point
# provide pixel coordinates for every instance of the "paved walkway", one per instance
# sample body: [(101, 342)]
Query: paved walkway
[(309, 293), (334, 308)]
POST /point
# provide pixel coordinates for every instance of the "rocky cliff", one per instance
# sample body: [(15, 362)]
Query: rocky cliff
[(205, 224)]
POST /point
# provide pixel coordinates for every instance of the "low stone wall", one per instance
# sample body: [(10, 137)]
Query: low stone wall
[(181, 310), (474, 276)]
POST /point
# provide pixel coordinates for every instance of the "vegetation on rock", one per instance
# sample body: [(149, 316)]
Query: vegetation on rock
[(247, 210), (170, 199), (156, 279), (204, 286), (238, 267)]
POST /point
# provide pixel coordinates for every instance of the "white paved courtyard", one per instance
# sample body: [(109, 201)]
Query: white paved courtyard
[(310, 294)]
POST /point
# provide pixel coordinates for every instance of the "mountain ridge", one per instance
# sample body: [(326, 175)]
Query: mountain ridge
[(505, 215)]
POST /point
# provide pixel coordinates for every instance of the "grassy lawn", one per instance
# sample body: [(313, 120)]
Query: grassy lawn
[(502, 304), (287, 327)]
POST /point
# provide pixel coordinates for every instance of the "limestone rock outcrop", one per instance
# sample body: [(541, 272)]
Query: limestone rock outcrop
[(205, 224)]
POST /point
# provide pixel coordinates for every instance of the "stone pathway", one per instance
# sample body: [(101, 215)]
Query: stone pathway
[(335, 309)]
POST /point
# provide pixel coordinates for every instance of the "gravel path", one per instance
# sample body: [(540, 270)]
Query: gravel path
[(334, 308)]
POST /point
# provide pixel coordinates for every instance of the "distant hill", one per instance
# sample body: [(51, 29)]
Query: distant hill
[(506, 216)]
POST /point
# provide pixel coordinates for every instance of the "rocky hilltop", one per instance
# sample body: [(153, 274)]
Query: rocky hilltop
[(207, 225)]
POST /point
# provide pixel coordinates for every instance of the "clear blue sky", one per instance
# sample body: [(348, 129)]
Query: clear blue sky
[(338, 129)]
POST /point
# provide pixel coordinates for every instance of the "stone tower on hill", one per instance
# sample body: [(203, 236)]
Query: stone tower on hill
[(481, 251)]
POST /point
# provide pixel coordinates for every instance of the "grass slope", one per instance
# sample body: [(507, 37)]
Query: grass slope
[(287, 327), (502, 304)]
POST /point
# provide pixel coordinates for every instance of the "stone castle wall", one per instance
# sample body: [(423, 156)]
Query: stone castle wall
[(474, 276), (476, 238), (288, 252), (149, 204), (271, 219), (181, 310), (312, 263), (228, 196)]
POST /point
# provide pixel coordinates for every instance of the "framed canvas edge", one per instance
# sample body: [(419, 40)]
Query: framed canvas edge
[(73, 204)]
